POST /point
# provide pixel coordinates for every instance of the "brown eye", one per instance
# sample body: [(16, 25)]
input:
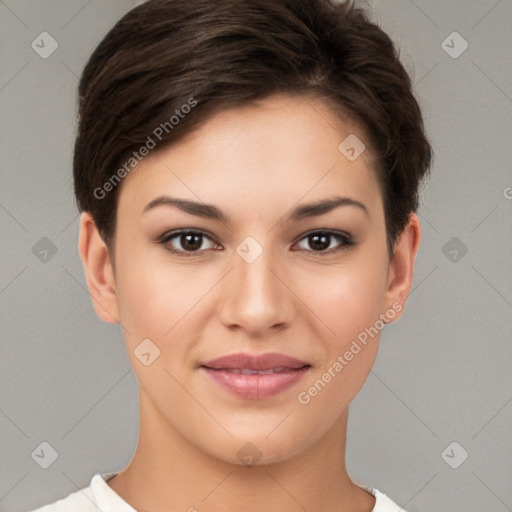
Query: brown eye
[(191, 241), (321, 241), (187, 241)]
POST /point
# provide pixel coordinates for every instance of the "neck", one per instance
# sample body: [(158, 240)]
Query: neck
[(167, 472)]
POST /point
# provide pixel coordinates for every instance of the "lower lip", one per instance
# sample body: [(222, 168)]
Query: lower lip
[(257, 385)]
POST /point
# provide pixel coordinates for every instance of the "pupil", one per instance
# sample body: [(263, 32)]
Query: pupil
[(189, 244), (321, 240)]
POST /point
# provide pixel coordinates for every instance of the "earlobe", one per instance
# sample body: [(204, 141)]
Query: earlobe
[(401, 267), (98, 270)]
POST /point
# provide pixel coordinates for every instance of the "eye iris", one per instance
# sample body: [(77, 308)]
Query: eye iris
[(321, 240), (188, 244)]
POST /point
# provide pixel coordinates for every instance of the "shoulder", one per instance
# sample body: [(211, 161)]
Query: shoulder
[(382, 502), (84, 500), (79, 501)]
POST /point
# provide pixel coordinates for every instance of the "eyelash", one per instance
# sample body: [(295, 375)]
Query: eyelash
[(346, 240)]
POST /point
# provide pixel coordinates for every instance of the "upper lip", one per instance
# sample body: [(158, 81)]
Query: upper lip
[(266, 361)]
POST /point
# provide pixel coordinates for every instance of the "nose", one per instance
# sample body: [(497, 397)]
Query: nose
[(257, 297)]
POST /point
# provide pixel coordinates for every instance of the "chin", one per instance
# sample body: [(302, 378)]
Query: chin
[(256, 450)]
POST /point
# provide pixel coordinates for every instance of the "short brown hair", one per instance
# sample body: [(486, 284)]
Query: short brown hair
[(212, 54)]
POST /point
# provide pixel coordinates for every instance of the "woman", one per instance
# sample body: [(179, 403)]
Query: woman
[(247, 173)]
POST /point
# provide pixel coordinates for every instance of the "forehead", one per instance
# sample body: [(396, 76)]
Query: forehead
[(277, 150)]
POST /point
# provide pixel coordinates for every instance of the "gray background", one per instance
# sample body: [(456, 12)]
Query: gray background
[(443, 371)]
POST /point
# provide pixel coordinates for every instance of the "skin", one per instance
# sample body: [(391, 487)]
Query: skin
[(256, 163)]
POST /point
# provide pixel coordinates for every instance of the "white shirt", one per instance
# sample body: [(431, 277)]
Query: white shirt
[(100, 497)]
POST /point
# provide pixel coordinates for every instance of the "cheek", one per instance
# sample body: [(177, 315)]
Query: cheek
[(165, 302), (156, 303), (349, 303), (347, 298), (151, 298)]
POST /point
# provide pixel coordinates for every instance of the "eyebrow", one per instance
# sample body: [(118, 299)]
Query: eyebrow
[(210, 211)]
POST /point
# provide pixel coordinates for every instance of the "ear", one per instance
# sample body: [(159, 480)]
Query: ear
[(401, 267), (98, 270)]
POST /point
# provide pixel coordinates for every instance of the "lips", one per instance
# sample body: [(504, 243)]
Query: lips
[(247, 371), (256, 376)]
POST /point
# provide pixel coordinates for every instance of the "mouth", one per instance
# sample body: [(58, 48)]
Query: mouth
[(256, 376), (249, 371)]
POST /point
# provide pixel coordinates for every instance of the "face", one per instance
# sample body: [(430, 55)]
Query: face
[(291, 297)]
